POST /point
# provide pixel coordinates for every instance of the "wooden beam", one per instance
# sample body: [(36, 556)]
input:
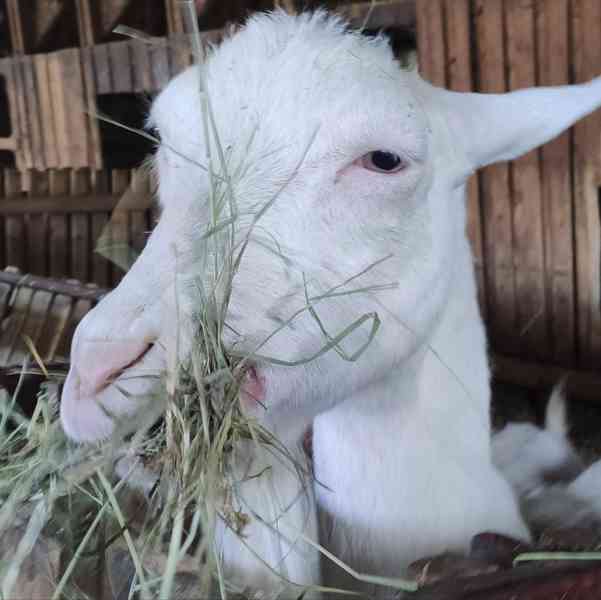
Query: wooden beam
[(57, 286), (86, 203)]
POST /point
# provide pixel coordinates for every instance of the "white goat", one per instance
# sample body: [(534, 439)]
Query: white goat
[(369, 162)]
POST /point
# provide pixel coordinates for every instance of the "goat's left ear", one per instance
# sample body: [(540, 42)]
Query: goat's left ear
[(489, 128)]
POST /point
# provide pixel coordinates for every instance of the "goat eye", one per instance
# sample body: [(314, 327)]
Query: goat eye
[(382, 161)]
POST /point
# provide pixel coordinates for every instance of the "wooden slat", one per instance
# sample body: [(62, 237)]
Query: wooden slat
[(553, 65), (56, 326), (179, 55), (101, 268), (37, 228), (80, 229), (41, 303), (159, 61), (121, 67), (431, 41), (459, 78), (175, 21), (15, 25), (46, 110), (526, 196), (60, 205), (102, 69), (79, 311), (142, 73), (14, 225), (119, 226), (85, 23), (12, 327), (70, 105), (586, 52), (496, 205), (137, 219), (89, 81), (387, 13), (25, 154), (59, 227), (33, 111)]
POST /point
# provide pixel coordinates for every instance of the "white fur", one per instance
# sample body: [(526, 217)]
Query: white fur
[(402, 436), (529, 456)]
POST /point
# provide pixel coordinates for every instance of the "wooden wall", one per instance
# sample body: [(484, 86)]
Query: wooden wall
[(534, 223), (52, 230)]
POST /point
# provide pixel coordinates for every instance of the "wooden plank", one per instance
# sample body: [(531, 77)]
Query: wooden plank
[(14, 225), (58, 235), (41, 303), (80, 228), (553, 65), (25, 153), (496, 205), (159, 60), (68, 287), (100, 266), (85, 23), (586, 52), (387, 13), (459, 78), (102, 69), (89, 81), (175, 20), (431, 41), (56, 326), (46, 110), (36, 238), (526, 196), (142, 73), (119, 226), (15, 26), (180, 57), (33, 110), (59, 205), (79, 311), (140, 185), (12, 327), (70, 105), (121, 67)]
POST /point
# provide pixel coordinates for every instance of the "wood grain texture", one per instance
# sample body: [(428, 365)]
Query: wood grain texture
[(496, 203), (586, 53)]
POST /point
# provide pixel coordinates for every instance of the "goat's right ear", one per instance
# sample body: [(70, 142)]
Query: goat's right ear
[(489, 128)]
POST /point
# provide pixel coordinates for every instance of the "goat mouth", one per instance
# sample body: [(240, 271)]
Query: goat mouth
[(136, 361)]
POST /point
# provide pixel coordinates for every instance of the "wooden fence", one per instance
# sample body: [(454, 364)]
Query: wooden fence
[(53, 230), (534, 223)]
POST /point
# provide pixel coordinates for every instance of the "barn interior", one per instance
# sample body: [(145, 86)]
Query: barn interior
[(72, 184)]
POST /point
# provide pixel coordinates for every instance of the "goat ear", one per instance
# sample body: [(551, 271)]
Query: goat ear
[(491, 128)]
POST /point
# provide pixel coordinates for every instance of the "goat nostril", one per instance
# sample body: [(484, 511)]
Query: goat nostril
[(118, 372)]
